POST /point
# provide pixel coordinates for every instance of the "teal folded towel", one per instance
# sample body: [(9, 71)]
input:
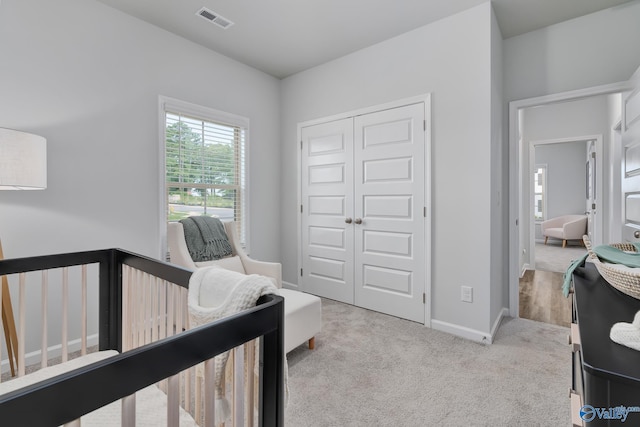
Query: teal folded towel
[(605, 253)]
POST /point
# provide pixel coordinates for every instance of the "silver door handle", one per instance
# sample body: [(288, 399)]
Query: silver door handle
[(347, 220), (636, 234), (358, 221)]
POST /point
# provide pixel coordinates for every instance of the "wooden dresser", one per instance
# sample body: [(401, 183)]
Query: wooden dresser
[(606, 375)]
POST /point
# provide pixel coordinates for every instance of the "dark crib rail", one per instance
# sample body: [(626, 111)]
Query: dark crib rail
[(67, 397)]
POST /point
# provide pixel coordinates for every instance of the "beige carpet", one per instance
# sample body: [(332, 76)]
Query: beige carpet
[(370, 369), (553, 257)]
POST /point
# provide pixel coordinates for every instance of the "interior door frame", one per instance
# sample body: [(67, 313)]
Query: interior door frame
[(424, 98), (529, 171), (515, 172)]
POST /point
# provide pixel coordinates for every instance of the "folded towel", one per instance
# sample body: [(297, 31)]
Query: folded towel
[(627, 334)]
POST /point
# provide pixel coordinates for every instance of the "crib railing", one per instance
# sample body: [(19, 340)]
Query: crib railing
[(142, 313)]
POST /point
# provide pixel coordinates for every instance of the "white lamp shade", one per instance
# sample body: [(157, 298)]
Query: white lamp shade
[(23, 161)]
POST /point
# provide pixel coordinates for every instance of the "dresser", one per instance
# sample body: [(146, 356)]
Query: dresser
[(606, 375)]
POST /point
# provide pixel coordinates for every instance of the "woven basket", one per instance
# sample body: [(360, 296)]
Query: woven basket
[(626, 281)]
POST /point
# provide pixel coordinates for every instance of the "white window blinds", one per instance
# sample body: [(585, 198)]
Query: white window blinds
[(205, 167)]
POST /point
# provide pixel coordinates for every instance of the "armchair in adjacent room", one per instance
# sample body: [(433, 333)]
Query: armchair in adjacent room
[(566, 227), (302, 311)]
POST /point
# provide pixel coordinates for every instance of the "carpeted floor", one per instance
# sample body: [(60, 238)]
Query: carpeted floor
[(553, 257), (370, 369)]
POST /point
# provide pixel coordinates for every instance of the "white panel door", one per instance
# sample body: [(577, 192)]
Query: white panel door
[(389, 175), (631, 161), (327, 206)]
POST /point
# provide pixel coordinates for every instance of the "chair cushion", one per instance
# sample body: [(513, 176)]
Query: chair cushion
[(558, 233), (233, 263), (303, 314)]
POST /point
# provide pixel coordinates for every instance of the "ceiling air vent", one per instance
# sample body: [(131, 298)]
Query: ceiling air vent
[(213, 17)]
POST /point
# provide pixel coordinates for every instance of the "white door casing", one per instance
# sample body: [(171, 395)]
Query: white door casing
[(363, 207), (631, 161), (592, 193)]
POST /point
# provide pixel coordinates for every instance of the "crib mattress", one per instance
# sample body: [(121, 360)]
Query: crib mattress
[(151, 402)]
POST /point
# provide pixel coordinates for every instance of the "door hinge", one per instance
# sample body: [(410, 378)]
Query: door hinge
[(424, 298), (300, 272), (593, 206), (424, 211), (301, 144), (300, 208), (424, 125)]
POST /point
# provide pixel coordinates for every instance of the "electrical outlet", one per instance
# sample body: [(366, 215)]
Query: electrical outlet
[(466, 293)]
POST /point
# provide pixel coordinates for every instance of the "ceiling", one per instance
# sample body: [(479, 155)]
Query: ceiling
[(283, 37)]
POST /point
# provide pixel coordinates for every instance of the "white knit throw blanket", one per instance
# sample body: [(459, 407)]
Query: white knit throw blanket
[(215, 293)]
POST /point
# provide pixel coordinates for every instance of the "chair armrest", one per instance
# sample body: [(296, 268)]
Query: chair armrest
[(178, 250), (273, 270), (575, 229)]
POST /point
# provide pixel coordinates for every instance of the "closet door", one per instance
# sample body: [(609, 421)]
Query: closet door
[(327, 210), (389, 211)]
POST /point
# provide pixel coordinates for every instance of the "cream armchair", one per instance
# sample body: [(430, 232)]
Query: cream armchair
[(566, 227), (302, 311)]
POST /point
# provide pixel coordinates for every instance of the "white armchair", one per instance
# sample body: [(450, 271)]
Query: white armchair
[(566, 227), (302, 311)]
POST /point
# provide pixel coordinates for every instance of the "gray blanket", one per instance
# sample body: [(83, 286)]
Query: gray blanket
[(206, 238)]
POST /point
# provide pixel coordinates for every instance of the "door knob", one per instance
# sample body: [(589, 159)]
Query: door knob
[(636, 233), (358, 221), (347, 220)]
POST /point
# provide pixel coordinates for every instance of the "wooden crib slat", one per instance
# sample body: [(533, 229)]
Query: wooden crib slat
[(238, 386), (146, 307), (44, 343), (65, 314), (83, 335), (209, 393), (250, 353), (155, 312), (128, 411), (22, 285), (126, 324), (163, 301), (173, 401)]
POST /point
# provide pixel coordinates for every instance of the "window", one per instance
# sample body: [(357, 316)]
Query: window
[(204, 163), (539, 192)]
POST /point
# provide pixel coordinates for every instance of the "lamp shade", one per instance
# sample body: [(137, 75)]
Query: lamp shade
[(23, 161)]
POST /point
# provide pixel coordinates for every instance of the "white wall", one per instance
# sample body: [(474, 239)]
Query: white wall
[(565, 176), (455, 66), (499, 188), (592, 50), (87, 78)]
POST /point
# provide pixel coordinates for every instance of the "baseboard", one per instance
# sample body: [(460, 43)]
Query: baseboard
[(496, 325), (461, 331), (288, 285), (34, 357), (525, 267)]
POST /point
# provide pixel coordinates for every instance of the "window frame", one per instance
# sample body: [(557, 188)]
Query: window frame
[(172, 105), (544, 193)]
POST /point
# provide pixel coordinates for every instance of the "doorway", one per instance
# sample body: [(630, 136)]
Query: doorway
[(564, 179), (520, 241)]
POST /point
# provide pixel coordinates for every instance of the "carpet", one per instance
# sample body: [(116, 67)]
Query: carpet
[(370, 369), (553, 257)]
